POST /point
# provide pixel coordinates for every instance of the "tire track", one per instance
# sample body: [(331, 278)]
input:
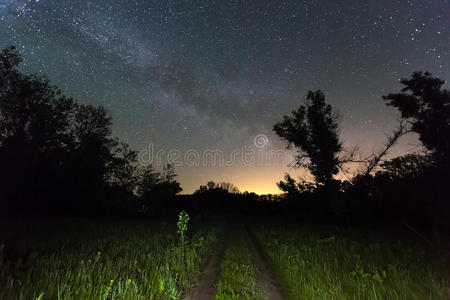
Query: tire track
[(205, 287), (265, 277)]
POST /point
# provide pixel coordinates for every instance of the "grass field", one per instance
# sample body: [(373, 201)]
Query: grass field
[(237, 274), (145, 260), (318, 262), (103, 260)]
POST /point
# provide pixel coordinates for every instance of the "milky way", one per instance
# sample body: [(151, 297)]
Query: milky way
[(214, 74)]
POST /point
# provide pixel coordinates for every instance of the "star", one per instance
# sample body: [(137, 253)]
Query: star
[(212, 75)]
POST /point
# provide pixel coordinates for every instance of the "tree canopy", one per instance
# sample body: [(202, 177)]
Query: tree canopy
[(313, 129), (55, 153), (424, 104)]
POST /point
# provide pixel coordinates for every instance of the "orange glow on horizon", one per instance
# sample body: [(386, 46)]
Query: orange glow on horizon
[(259, 179)]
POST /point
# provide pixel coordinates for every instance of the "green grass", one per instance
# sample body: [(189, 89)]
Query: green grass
[(328, 263), (88, 260), (237, 274), (144, 260)]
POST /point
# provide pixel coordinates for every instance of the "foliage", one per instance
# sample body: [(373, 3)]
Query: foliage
[(334, 263), (122, 167), (52, 146), (103, 260), (154, 187), (313, 129), (411, 187), (406, 188), (409, 165), (229, 187), (427, 107), (219, 187), (182, 224), (294, 188)]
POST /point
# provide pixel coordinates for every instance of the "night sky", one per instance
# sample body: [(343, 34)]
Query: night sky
[(199, 75)]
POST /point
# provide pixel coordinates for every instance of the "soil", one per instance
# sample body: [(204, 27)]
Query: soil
[(205, 287), (265, 277)]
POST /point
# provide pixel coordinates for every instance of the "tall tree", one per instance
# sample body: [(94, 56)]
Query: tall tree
[(169, 184), (93, 146), (52, 147), (147, 179), (34, 131), (426, 106), (313, 129), (121, 169)]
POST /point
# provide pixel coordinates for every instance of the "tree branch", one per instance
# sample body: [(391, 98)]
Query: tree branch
[(375, 159)]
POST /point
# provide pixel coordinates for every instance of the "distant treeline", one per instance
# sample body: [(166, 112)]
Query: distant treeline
[(58, 156)]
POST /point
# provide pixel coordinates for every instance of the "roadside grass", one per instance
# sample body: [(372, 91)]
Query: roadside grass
[(237, 273), (318, 262), (95, 260)]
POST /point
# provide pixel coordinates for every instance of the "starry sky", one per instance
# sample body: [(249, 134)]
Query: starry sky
[(182, 76)]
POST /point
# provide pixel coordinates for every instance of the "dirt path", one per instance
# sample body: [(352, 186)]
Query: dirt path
[(265, 278), (205, 289)]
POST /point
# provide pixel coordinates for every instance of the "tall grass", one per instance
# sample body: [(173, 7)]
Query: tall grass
[(237, 274), (104, 261), (328, 263)]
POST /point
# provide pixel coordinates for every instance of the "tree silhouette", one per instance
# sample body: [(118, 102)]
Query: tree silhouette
[(121, 169), (225, 187), (376, 159), (35, 135), (229, 187), (92, 149), (412, 187), (155, 188), (168, 184), (426, 106), (313, 129), (210, 185), (407, 166), (289, 185), (52, 148), (294, 188)]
